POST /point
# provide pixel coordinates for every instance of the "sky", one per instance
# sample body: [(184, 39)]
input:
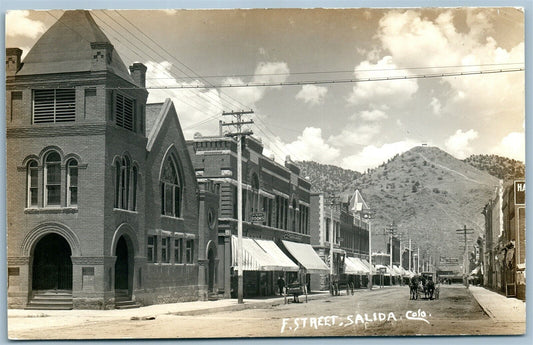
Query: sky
[(323, 114)]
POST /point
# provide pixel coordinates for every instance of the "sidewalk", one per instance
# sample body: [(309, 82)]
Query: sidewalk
[(499, 307), (18, 318)]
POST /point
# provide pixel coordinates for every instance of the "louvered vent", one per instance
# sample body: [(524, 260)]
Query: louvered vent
[(55, 105), (124, 112)]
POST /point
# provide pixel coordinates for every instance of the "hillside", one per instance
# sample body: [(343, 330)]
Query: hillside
[(501, 167), (326, 178), (428, 194)]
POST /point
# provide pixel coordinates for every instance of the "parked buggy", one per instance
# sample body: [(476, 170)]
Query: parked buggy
[(296, 289)]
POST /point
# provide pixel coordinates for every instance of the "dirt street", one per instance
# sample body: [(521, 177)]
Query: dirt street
[(385, 311)]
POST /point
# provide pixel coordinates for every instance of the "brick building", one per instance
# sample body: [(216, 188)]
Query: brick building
[(504, 259), (103, 205), (349, 233), (275, 214)]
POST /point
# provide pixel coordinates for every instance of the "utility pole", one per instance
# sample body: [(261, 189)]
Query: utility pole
[(410, 255), (237, 124), (331, 237), (391, 229), (418, 260), (464, 231)]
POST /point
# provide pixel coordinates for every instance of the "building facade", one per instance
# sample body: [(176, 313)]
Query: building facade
[(103, 204), (504, 245), (276, 202), (337, 226)]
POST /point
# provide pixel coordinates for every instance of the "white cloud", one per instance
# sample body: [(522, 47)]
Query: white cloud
[(371, 156), (311, 146), (382, 92), (458, 144), (170, 12), (265, 72), (416, 41), (18, 24), (513, 145), (353, 134), (372, 115), (435, 105), (196, 108), (312, 94)]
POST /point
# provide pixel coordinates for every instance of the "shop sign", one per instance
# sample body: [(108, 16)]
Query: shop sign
[(519, 192), (258, 217)]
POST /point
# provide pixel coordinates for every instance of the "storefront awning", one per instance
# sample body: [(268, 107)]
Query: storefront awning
[(351, 267), (397, 270), (306, 256), (283, 260), (256, 257), (360, 263), (367, 265)]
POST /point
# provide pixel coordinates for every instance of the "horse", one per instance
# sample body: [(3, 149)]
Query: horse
[(429, 289), (413, 288)]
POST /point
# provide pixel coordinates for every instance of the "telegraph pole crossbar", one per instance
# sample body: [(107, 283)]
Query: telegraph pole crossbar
[(237, 123)]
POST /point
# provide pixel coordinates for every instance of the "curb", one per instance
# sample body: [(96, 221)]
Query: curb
[(483, 308), (239, 307)]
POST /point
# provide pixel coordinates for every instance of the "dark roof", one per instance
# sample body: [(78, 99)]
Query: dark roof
[(66, 47)]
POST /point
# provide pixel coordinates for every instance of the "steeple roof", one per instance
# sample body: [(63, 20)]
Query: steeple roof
[(68, 46)]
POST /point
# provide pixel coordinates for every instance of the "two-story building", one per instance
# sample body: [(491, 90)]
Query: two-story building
[(276, 203)]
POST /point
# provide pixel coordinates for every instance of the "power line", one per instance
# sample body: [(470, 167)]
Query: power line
[(352, 71), (345, 81), (180, 62)]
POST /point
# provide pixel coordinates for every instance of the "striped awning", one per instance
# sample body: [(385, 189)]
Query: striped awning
[(260, 256), (306, 256), (350, 267), (365, 267)]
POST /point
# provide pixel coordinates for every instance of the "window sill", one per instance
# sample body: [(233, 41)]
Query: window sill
[(171, 217), (123, 210), (51, 210)]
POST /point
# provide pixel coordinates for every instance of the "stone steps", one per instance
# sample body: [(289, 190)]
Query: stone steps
[(51, 301)]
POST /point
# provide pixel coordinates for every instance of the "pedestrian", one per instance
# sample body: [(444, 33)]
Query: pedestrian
[(281, 285)]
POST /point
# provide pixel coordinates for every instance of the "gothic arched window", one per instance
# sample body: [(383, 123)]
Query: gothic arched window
[(171, 189)]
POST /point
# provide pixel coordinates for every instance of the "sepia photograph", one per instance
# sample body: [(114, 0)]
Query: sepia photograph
[(265, 173)]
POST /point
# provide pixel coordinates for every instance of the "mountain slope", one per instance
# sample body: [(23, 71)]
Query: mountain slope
[(501, 167), (326, 178), (429, 194)]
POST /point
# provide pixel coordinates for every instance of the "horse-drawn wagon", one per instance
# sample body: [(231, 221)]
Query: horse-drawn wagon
[(426, 284)]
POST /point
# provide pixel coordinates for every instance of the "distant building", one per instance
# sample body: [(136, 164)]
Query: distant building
[(103, 204), (340, 224)]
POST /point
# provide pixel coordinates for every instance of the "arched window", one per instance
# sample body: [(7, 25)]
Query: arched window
[(72, 182), (134, 188), (32, 182), (125, 183), (255, 194), (293, 226), (170, 189), (52, 179), (118, 172)]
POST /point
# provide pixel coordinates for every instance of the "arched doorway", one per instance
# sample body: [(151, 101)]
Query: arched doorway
[(123, 270), (52, 265), (211, 270)]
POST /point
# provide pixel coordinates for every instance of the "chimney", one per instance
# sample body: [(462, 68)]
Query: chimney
[(138, 73), (13, 62)]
